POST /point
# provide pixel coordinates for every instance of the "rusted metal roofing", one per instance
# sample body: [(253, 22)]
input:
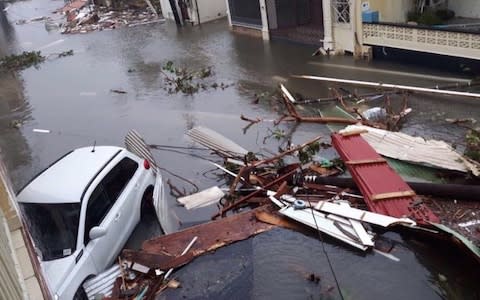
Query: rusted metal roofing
[(384, 190)]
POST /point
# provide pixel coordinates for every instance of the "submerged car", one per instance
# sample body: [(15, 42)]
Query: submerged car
[(82, 209)]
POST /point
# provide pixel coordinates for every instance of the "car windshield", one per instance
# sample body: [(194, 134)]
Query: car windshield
[(53, 227)]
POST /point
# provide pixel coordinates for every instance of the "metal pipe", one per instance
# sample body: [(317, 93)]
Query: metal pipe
[(390, 86)]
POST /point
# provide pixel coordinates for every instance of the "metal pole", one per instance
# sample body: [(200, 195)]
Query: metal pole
[(173, 5), (198, 12), (391, 86)]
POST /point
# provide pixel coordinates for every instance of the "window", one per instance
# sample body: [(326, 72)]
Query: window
[(107, 192), (54, 227), (341, 9)]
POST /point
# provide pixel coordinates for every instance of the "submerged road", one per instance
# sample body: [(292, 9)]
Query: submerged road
[(71, 97)]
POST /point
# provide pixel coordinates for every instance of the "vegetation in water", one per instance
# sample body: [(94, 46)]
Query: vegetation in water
[(27, 59), (187, 81), (472, 149), (306, 154), (22, 61)]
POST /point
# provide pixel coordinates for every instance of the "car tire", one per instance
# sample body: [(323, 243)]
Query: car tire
[(80, 294), (147, 203)]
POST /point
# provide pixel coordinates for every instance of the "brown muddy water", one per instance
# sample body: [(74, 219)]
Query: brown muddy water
[(71, 97)]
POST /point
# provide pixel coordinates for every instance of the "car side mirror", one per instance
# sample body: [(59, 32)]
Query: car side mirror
[(97, 232)]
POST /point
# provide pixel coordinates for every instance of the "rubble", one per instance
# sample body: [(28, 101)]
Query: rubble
[(100, 18)]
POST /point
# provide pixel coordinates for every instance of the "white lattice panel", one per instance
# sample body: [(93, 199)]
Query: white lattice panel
[(425, 40)]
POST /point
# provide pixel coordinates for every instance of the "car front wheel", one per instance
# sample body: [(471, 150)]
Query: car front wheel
[(80, 294)]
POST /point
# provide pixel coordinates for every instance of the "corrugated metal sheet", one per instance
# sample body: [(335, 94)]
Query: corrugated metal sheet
[(102, 284), (416, 150), (216, 142), (135, 143), (375, 178), (406, 170)]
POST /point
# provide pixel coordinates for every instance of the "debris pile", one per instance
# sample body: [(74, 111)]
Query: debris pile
[(83, 18), (298, 190)]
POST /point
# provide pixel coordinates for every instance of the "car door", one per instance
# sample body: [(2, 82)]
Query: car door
[(106, 208)]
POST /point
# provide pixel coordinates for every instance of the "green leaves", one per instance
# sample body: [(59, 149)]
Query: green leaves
[(22, 61)]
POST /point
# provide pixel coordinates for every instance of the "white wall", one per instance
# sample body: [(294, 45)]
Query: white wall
[(166, 10), (394, 11), (209, 10), (465, 8)]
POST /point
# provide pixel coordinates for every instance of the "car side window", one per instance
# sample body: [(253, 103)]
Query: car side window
[(118, 178), (107, 192)]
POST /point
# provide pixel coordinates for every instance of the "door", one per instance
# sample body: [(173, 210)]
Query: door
[(109, 207)]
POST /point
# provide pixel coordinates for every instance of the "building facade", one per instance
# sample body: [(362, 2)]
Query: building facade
[(357, 26)]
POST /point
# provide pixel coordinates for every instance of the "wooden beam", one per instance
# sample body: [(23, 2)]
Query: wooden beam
[(384, 196), (365, 161)]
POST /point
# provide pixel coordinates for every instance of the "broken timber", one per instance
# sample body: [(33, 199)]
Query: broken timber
[(289, 100), (391, 86), (211, 236)]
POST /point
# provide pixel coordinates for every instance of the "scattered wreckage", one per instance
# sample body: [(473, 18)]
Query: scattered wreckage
[(81, 17), (287, 197), (305, 196)]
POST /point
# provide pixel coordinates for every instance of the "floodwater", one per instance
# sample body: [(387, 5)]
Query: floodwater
[(72, 98)]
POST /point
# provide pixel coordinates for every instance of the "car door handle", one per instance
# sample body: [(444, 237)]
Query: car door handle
[(117, 217)]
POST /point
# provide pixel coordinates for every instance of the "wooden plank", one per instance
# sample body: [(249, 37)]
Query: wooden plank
[(211, 236), (391, 195), (354, 132), (156, 260), (362, 234), (274, 218), (365, 161)]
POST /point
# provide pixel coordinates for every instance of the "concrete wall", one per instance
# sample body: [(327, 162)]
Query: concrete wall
[(465, 8), (394, 10), (10, 282), (18, 279), (209, 10)]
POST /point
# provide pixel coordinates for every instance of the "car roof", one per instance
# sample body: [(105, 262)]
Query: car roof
[(65, 181)]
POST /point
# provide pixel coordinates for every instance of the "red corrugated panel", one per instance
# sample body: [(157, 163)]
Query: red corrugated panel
[(375, 178)]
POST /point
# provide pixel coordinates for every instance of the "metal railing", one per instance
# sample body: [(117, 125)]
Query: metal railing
[(438, 41)]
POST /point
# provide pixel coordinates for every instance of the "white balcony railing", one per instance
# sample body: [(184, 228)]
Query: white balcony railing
[(460, 44)]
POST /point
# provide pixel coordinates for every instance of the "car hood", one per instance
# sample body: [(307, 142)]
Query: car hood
[(56, 271)]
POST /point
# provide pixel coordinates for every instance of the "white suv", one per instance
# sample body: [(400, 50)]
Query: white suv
[(81, 210)]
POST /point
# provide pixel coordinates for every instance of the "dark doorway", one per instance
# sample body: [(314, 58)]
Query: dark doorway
[(296, 20), (245, 12)]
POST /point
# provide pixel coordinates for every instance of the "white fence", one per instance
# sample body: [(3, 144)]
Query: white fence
[(443, 42)]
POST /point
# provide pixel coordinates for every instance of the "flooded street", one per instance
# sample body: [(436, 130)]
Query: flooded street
[(72, 98)]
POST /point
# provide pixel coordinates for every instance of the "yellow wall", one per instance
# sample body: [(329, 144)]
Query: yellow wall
[(392, 10)]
